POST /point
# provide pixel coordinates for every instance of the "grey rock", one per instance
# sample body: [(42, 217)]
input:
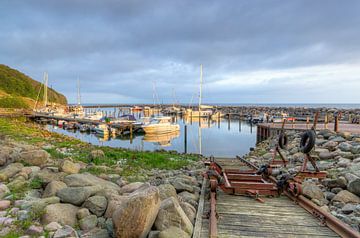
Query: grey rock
[(333, 183), (81, 180), (77, 195), (171, 214), (82, 213), (52, 226), (172, 232), (135, 217), (64, 214), (131, 187), (336, 190), (96, 233), (9, 171), (189, 198), (338, 139), (52, 188), (329, 195), (96, 204), (88, 222), (312, 191), (355, 149), (65, 232), (354, 186), (346, 197), (3, 190), (348, 208), (166, 191), (344, 146)]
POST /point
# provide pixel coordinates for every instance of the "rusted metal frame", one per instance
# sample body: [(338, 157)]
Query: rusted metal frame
[(252, 185), (248, 163), (283, 161), (329, 220), (312, 161), (244, 177), (238, 171)]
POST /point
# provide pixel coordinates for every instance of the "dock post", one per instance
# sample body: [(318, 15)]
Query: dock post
[(307, 122), (293, 124), (185, 139), (239, 124), (209, 122), (131, 134), (229, 119), (336, 123), (326, 121)]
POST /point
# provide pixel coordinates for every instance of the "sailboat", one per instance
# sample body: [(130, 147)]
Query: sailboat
[(203, 110)]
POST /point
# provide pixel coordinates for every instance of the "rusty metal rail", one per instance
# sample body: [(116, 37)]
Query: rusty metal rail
[(226, 180)]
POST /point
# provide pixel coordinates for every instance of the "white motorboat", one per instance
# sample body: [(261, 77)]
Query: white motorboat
[(161, 125)]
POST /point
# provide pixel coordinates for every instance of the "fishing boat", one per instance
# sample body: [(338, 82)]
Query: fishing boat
[(102, 129), (161, 125)]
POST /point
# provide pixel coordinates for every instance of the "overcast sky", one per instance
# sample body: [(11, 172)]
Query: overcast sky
[(254, 51)]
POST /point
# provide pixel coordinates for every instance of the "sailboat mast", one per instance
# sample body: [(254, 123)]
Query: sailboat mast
[(45, 89), (78, 92), (200, 94)]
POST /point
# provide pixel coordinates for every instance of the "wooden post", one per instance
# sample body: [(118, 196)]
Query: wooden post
[(307, 122), (326, 121), (336, 123), (131, 134), (239, 124), (229, 122), (293, 123), (185, 139)]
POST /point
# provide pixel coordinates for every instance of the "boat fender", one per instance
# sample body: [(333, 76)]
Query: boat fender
[(307, 141), (283, 140)]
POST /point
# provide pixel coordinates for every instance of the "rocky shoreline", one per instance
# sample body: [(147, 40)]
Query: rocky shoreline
[(336, 153), (45, 197)]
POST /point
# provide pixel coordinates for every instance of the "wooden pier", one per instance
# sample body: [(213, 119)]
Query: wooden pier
[(266, 130), (241, 216)]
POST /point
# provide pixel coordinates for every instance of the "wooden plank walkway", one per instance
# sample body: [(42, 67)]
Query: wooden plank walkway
[(241, 216), (343, 127)]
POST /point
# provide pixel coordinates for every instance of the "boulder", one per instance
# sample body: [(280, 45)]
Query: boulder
[(4, 190), (189, 210), (189, 198), (88, 222), (62, 213), (96, 204), (4, 156), (326, 155), (64, 232), (131, 187), (338, 139), (343, 162), (96, 233), (35, 157), (348, 208), (344, 146), (172, 232), (355, 149), (345, 196), (52, 188), (81, 180), (69, 167), (340, 182), (77, 195), (52, 226), (135, 217), (82, 212), (47, 175), (166, 191), (113, 203), (330, 145), (10, 170), (171, 214), (4, 204), (354, 186), (312, 191), (181, 185), (38, 205)]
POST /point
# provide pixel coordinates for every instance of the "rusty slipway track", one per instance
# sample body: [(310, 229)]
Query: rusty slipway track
[(242, 216)]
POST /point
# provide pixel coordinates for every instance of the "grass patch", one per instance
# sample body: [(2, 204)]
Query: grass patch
[(130, 161), (13, 102)]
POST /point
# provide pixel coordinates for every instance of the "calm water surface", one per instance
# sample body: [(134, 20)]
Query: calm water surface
[(221, 139)]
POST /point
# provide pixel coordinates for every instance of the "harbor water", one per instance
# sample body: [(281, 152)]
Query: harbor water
[(220, 138)]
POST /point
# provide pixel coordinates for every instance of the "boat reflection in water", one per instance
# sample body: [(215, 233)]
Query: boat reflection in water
[(163, 139)]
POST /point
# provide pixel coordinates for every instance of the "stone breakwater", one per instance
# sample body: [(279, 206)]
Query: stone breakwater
[(43, 197), (336, 153)]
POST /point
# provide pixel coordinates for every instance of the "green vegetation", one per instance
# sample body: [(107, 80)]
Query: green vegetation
[(17, 84), (13, 102), (130, 161)]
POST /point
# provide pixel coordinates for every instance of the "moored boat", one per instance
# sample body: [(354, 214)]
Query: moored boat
[(161, 125)]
